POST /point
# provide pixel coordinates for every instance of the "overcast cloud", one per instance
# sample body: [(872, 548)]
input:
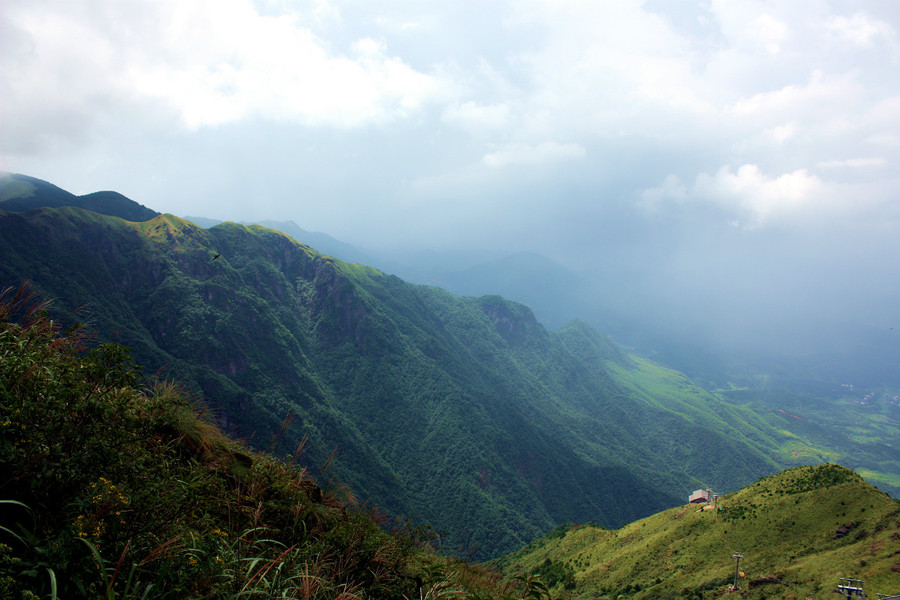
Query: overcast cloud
[(742, 151)]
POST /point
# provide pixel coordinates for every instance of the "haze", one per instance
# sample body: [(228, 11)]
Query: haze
[(726, 168)]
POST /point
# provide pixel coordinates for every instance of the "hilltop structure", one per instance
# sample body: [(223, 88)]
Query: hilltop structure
[(700, 496)]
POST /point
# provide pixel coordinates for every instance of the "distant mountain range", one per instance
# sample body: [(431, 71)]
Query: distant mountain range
[(464, 412), (816, 385)]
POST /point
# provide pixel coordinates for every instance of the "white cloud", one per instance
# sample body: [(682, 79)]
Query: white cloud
[(209, 62), (883, 139), (854, 163), (782, 133), (652, 200), (769, 31), (275, 67), (605, 67), (859, 29), (399, 26), (478, 118), (540, 154), (650, 87), (748, 196), (383, 120), (818, 92)]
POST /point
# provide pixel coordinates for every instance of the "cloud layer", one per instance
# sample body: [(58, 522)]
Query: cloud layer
[(591, 131)]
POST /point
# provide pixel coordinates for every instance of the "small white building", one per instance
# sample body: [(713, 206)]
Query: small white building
[(700, 496)]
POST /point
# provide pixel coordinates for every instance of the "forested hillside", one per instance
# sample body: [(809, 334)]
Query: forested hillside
[(464, 412), (114, 488)]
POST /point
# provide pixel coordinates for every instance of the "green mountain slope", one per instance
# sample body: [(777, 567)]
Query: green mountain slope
[(114, 490), (20, 193), (798, 531), (464, 412)]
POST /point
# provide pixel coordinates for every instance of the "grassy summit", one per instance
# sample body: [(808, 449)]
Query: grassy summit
[(799, 531)]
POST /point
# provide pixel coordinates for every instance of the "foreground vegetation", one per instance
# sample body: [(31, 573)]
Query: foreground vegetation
[(116, 489), (798, 532)]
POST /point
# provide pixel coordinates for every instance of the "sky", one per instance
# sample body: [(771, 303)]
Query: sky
[(720, 161)]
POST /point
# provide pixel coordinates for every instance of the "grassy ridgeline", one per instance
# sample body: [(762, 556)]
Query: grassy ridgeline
[(109, 489), (798, 530)]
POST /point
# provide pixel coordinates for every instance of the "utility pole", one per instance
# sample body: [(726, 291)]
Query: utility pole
[(737, 568)]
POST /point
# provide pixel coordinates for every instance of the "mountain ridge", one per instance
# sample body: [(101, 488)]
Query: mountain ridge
[(517, 427), (797, 531), (20, 193), (272, 328)]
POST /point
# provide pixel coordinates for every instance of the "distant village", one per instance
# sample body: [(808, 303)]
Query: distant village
[(873, 397)]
